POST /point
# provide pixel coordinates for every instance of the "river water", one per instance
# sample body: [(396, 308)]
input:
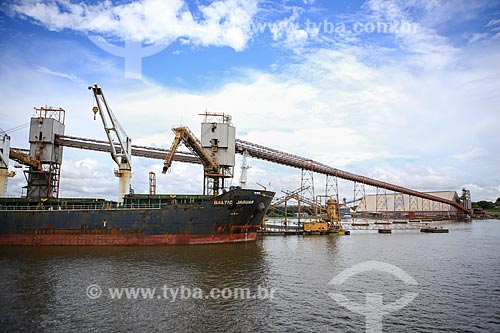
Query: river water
[(289, 284)]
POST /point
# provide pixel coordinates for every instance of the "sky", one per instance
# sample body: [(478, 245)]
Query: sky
[(407, 92)]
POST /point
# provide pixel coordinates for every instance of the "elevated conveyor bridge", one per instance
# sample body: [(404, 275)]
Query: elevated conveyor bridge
[(259, 152)]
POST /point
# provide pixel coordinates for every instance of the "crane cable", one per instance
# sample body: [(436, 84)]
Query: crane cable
[(14, 129)]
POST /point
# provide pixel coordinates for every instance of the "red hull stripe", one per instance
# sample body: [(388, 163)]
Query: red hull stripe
[(125, 239)]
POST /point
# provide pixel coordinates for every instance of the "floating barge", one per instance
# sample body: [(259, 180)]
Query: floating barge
[(308, 228), (435, 230)]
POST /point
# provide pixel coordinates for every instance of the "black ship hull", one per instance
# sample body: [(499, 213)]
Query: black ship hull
[(234, 216)]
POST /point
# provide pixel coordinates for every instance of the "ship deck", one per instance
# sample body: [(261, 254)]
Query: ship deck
[(132, 201)]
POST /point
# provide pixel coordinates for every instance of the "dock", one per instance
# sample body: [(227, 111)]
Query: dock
[(382, 227)]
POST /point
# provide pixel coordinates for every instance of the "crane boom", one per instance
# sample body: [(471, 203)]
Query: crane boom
[(194, 145), (120, 153), (170, 156), (25, 159)]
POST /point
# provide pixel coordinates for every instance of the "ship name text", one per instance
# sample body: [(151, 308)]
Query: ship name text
[(230, 202)]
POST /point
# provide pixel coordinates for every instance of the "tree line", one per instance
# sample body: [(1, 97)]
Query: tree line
[(486, 204)]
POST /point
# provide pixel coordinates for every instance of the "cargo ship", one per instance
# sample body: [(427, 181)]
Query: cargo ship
[(142, 219), (220, 215)]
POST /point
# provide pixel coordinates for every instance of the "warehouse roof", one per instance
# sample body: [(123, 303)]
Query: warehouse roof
[(401, 202)]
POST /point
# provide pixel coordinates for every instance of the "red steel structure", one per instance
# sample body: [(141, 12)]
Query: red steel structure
[(276, 156), (263, 153)]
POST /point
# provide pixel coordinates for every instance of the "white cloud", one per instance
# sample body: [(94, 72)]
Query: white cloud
[(429, 48), (474, 37), (383, 121), (493, 23), (83, 178), (71, 77), (488, 192), (469, 155), (444, 12), (426, 118), (423, 178), (221, 23), (288, 31)]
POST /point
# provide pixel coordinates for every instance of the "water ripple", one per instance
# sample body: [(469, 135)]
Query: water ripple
[(44, 289)]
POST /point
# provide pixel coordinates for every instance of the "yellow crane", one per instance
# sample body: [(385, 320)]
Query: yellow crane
[(210, 166)]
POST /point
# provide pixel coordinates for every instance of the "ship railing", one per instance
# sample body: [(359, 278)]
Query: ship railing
[(71, 207)]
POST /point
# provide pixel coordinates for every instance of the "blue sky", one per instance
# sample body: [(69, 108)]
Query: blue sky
[(403, 91)]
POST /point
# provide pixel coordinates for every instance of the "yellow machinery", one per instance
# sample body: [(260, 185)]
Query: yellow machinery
[(25, 159), (316, 227), (325, 225)]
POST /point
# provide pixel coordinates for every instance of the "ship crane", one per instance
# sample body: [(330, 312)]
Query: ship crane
[(122, 152), (192, 143), (211, 167), (24, 158), (215, 150)]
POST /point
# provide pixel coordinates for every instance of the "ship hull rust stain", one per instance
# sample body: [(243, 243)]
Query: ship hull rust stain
[(96, 239)]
